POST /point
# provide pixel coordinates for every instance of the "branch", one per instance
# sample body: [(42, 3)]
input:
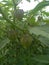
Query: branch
[(14, 12)]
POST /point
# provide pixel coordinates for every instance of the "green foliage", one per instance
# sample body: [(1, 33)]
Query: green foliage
[(41, 58), (28, 0), (39, 7), (23, 40)]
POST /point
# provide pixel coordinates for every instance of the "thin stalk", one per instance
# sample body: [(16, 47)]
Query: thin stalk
[(14, 12)]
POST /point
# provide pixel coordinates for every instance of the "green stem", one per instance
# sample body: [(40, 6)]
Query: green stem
[(14, 12)]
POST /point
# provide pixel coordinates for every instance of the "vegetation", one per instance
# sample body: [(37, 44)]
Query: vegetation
[(24, 36)]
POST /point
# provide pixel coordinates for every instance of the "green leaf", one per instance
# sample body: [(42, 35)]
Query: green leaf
[(39, 7), (44, 40), (17, 1), (42, 58), (28, 0), (46, 13), (4, 42), (40, 30)]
